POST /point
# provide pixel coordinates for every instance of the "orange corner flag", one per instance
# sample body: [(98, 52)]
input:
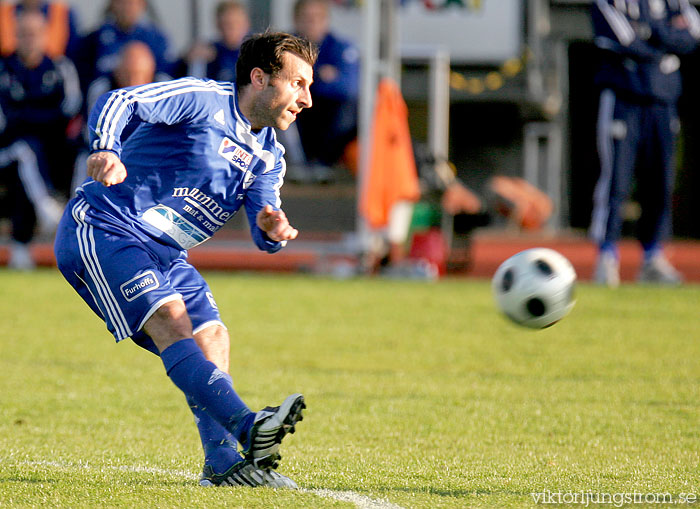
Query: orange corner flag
[(392, 174)]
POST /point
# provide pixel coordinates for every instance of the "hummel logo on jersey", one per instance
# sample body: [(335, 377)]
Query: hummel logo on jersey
[(235, 154), (137, 286), (220, 118)]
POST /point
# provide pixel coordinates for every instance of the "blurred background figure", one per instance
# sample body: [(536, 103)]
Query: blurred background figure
[(640, 85), (125, 21), (218, 59), (136, 66), (330, 125), (62, 37), (39, 97)]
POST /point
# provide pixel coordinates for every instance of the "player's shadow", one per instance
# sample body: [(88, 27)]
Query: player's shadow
[(154, 481)]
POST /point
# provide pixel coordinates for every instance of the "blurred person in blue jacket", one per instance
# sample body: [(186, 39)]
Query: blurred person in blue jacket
[(39, 97), (126, 21), (326, 129), (640, 85), (217, 60)]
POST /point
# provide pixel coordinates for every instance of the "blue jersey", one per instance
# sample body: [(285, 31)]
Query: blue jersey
[(192, 161), (639, 40)]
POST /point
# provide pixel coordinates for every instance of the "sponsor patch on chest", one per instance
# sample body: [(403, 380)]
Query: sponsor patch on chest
[(137, 286), (235, 154)]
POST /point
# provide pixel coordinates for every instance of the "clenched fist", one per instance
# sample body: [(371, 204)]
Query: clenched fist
[(106, 168)]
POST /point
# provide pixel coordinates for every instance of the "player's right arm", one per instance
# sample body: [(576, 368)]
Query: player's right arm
[(170, 102), (106, 168)]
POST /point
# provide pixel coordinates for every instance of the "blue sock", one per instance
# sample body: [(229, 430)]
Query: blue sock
[(208, 386), (609, 247), (220, 448), (651, 250)]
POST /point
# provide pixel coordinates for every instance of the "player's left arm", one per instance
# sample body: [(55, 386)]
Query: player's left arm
[(275, 224), (269, 225)]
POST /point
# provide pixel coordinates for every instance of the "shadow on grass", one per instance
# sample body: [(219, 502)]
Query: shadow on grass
[(29, 480), (460, 493), (446, 493)]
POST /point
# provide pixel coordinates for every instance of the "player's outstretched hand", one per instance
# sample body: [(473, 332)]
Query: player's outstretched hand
[(106, 168), (275, 224)]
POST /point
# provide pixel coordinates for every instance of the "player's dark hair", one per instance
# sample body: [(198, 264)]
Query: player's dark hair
[(266, 50)]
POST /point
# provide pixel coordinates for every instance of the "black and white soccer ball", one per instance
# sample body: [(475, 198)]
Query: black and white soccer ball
[(535, 288)]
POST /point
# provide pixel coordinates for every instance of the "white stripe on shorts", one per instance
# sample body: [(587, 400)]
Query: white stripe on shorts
[(88, 253)]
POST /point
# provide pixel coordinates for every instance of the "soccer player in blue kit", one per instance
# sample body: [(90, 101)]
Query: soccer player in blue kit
[(170, 164)]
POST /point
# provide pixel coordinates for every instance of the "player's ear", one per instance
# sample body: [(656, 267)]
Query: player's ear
[(258, 78)]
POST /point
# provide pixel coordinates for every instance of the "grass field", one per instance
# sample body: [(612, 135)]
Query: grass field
[(419, 395)]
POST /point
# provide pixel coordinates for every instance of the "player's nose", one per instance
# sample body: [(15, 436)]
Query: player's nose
[(304, 100)]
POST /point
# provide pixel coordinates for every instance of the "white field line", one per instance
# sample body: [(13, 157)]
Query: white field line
[(360, 501), (101, 468)]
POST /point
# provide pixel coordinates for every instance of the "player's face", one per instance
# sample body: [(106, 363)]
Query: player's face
[(285, 94)]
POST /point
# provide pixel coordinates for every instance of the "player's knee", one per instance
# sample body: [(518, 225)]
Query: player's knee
[(215, 333), (214, 342), (169, 324), (214, 337)]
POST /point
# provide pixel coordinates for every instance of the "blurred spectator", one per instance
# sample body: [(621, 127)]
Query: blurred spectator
[(325, 129), (640, 85), (136, 66), (62, 35), (218, 59), (126, 21), (38, 98)]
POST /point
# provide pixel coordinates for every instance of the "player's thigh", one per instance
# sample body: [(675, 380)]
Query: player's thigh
[(116, 274)]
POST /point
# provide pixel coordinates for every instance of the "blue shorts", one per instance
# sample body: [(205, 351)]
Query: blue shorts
[(125, 279)]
